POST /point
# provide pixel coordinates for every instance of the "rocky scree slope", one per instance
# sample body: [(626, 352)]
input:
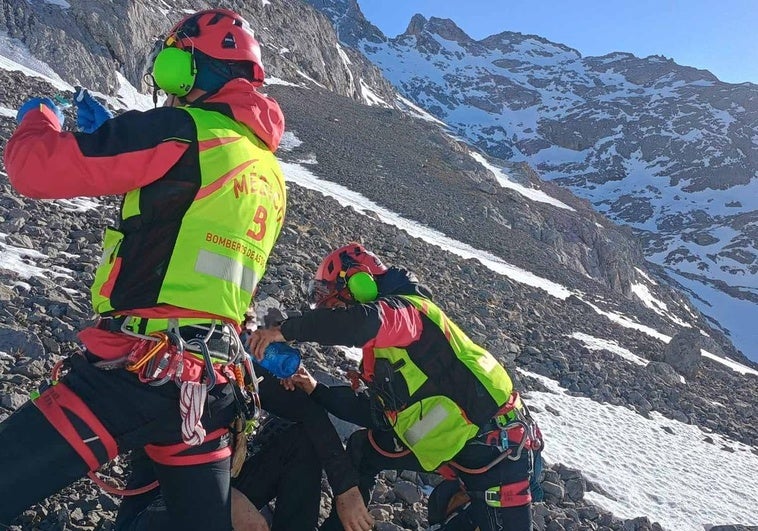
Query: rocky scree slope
[(523, 326)]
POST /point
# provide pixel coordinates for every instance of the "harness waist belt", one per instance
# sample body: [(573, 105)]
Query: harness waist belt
[(219, 344)]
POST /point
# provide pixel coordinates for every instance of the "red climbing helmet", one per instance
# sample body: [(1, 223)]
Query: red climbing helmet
[(221, 34), (330, 285)]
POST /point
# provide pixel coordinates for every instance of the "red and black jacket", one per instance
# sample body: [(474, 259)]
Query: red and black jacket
[(129, 151), (392, 321)]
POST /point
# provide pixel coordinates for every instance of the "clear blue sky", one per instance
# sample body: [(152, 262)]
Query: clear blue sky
[(718, 35)]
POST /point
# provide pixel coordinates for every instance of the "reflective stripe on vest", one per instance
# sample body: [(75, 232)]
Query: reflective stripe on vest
[(425, 425), (226, 268), (435, 428), (212, 260)]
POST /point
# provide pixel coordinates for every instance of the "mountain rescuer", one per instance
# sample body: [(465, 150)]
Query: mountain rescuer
[(203, 204), (435, 400)]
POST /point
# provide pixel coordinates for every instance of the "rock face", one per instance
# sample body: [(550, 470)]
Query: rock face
[(89, 44), (668, 150)]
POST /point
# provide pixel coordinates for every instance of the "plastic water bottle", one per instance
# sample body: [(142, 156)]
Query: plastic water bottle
[(280, 359)]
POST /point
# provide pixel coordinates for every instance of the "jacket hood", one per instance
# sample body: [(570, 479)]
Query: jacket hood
[(239, 100), (398, 281)]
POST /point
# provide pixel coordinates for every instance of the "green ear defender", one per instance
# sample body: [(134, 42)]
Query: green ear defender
[(174, 71), (362, 287)]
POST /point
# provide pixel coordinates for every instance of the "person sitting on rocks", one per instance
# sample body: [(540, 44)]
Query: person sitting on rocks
[(434, 399), (285, 459)]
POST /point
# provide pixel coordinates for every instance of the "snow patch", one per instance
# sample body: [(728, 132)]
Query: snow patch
[(130, 97), (22, 262), (621, 451), (289, 141), (60, 3), (595, 343), (272, 80), (370, 97), (506, 182)]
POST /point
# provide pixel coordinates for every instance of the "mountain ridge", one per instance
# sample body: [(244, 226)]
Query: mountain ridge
[(666, 149)]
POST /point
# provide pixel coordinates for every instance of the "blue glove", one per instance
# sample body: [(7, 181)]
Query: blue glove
[(34, 103), (90, 113)]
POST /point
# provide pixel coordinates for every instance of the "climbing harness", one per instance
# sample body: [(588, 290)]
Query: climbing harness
[(512, 430), (157, 359)]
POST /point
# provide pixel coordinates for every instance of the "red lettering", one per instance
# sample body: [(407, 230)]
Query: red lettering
[(240, 186), (259, 219)]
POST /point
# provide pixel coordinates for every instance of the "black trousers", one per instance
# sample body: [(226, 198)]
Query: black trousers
[(285, 468), (370, 462), (36, 461)]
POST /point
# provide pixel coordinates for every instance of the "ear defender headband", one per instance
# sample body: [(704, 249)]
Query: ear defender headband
[(174, 69)]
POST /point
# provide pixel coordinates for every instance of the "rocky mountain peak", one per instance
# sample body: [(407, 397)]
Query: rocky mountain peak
[(348, 20), (444, 27), (651, 70), (416, 25)]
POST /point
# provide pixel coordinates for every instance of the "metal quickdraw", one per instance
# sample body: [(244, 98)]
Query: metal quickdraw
[(164, 365), (248, 404)]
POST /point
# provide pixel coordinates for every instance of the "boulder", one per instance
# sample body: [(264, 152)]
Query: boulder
[(683, 352)]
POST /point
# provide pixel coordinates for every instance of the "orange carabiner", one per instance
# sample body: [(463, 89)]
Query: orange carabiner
[(150, 354)]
